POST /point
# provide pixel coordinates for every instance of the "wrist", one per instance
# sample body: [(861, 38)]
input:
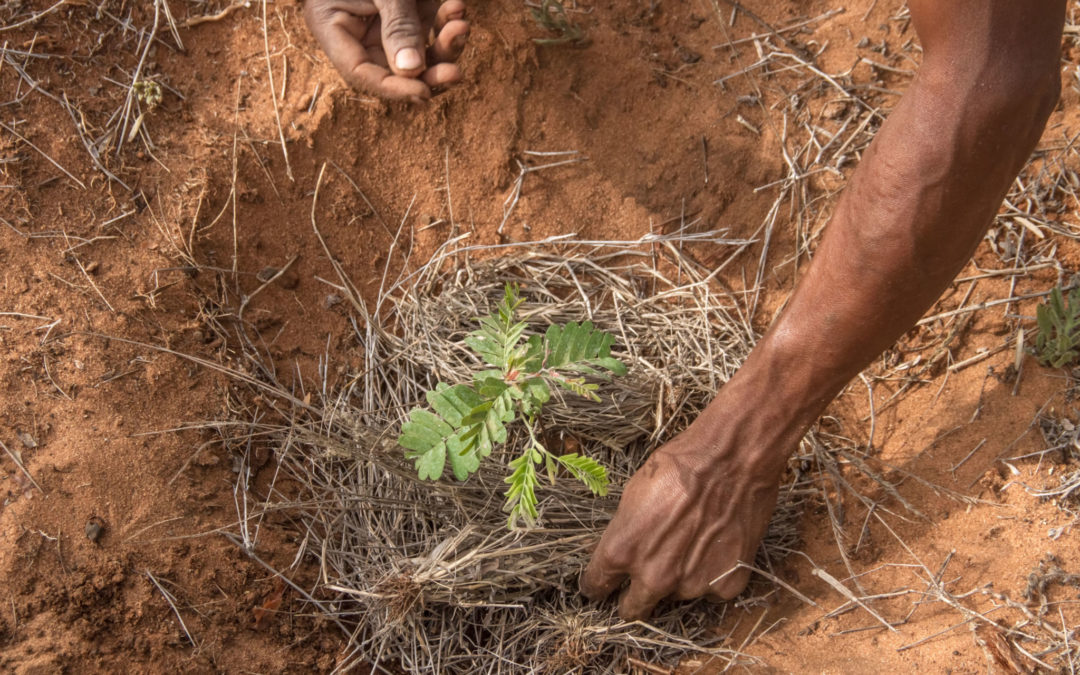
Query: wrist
[(759, 416), (788, 380)]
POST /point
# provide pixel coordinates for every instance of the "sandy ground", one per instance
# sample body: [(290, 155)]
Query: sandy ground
[(118, 247)]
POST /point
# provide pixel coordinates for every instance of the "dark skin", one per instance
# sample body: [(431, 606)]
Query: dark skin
[(382, 47), (914, 211)]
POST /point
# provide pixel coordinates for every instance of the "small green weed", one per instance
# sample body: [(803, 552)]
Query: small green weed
[(470, 419), (149, 92), (1058, 341), (552, 17)]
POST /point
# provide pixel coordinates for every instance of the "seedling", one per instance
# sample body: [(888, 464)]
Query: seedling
[(469, 420), (552, 17), (1058, 339), (149, 92)]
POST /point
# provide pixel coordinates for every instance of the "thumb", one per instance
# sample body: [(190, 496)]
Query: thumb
[(402, 37)]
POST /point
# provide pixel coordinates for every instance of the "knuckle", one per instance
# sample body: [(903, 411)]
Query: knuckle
[(654, 582), (400, 30), (317, 13), (398, 22), (691, 590), (615, 550), (617, 557), (598, 576)]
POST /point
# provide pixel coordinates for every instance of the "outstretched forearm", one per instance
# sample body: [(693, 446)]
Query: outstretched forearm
[(919, 202), (915, 209)]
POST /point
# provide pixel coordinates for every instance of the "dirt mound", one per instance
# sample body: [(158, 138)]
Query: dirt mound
[(130, 232)]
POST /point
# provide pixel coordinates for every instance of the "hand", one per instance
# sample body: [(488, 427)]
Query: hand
[(698, 507), (379, 46)]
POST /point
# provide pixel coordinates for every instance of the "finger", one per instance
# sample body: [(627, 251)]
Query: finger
[(691, 591), (449, 42), (441, 75), (356, 66), (378, 57), (716, 598), (600, 579), (403, 39), (638, 601), (384, 84), (451, 10), (353, 16), (729, 585), (339, 33)]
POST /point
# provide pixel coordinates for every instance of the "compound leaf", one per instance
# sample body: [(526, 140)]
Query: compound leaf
[(497, 338), (588, 471), (579, 386), (521, 495), (579, 347)]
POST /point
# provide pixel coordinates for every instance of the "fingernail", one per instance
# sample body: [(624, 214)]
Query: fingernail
[(407, 59)]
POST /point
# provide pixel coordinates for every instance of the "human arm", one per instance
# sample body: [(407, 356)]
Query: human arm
[(379, 46), (916, 207)]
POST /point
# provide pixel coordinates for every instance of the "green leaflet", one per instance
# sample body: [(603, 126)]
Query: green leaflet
[(537, 389), (463, 461), (486, 424), (469, 420), (453, 403), (424, 436)]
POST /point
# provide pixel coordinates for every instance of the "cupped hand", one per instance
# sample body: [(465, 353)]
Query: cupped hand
[(381, 46), (697, 508)]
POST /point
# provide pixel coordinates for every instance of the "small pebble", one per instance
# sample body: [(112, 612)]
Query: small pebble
[(94, 529), (834, 110), (687, 56)]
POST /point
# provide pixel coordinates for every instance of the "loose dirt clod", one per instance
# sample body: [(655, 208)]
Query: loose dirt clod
[(94, 529)]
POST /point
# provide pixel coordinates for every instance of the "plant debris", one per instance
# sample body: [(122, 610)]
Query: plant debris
[(426, 574)]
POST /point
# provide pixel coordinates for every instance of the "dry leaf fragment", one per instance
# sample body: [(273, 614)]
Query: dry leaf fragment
[(270, 604), (1001, 657)]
